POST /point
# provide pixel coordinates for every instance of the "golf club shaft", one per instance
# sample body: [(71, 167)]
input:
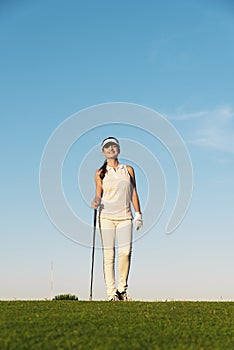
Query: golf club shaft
[(94, 236)]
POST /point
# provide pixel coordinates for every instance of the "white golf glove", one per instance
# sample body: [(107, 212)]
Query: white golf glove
[(137, 221)]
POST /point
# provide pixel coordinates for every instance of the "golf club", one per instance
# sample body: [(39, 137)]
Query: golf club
[(94, 236)]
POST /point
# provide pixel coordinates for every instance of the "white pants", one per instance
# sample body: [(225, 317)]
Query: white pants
[(112, 230)]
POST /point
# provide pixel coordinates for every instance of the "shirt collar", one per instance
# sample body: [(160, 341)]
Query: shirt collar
[(120, 166)]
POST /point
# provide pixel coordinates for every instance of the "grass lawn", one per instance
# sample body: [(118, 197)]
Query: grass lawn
[(103, 325)]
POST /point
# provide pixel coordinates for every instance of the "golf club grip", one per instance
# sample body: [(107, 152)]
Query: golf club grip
[(95, 219)]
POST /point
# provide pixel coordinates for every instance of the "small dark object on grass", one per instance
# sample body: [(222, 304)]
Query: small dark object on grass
[(65, 297)]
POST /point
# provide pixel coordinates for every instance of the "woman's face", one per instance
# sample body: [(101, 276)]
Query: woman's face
[(110, 151)]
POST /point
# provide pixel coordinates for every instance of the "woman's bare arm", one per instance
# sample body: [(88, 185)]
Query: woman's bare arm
[(135, 198), (98, 193)]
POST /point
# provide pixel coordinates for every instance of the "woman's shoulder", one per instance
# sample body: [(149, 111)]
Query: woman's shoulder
[(98, 172), (130, 169)]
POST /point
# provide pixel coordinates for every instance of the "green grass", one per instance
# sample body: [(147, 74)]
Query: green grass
[(101, 325)]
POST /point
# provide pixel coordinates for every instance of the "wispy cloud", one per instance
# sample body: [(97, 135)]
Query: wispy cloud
[(221, 114), (212, 129)]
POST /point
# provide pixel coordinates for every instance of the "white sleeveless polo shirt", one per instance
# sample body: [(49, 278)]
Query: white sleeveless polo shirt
[(117, 194)]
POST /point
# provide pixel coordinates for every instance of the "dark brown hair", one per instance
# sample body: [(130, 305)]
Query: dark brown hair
[(103, 170)]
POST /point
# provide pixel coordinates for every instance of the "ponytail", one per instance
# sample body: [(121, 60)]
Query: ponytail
[(103, 170)]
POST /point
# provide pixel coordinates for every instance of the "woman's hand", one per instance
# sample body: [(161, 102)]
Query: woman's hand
[(96, 202), (138, 222)]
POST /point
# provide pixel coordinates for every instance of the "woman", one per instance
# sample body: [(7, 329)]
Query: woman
[(115, 190)]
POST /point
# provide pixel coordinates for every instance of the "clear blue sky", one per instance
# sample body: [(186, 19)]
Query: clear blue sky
[(176, 57)]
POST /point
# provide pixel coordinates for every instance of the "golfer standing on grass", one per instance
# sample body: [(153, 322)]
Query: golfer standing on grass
[(115, 190)]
